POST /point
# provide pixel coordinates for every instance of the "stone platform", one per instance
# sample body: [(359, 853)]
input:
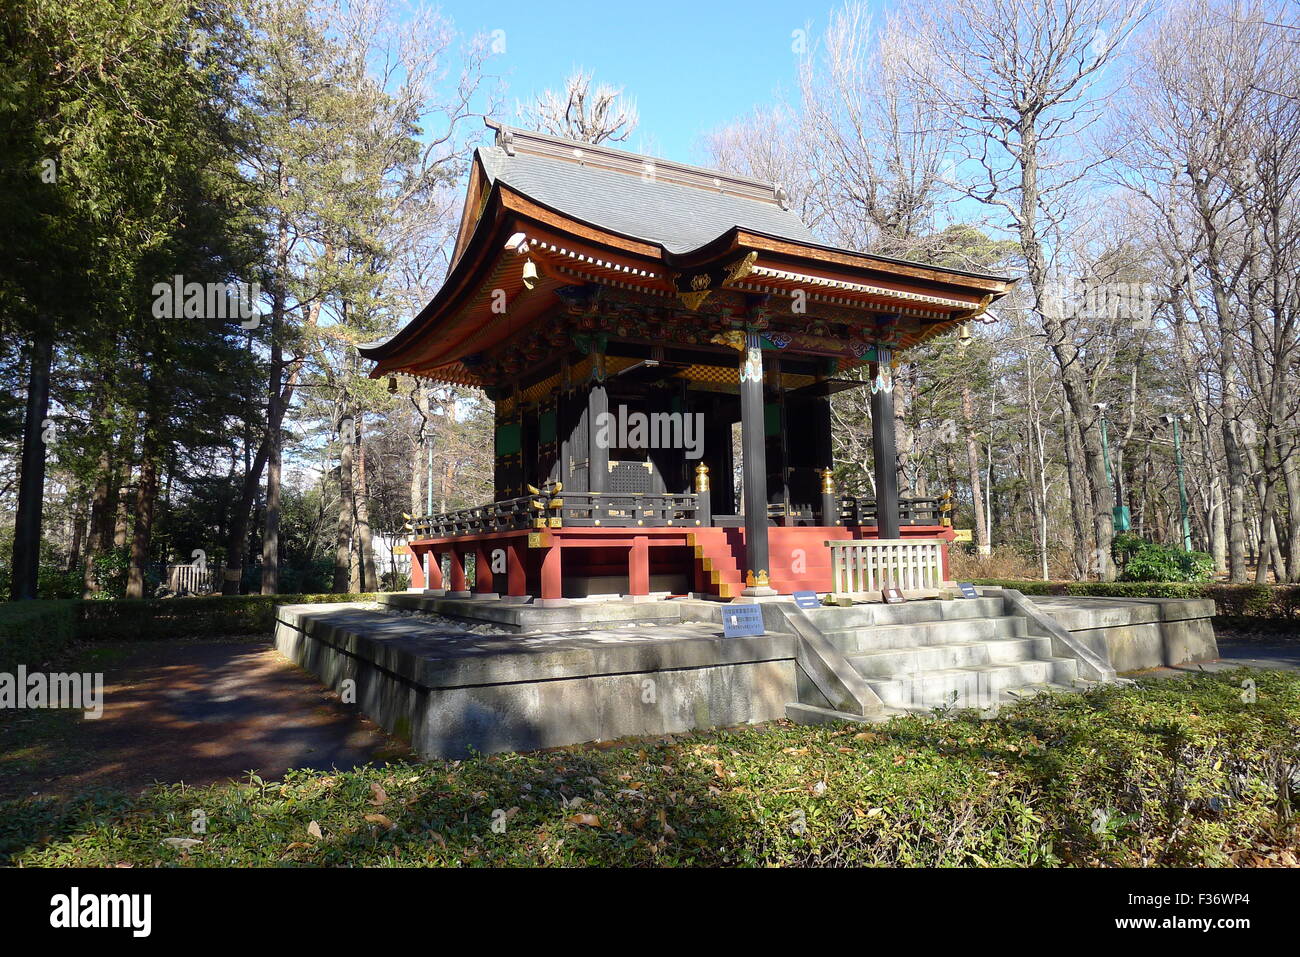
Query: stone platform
[(450, 692), (455, 675)]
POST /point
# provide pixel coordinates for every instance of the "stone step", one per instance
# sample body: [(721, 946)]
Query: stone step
[(895, 662), (811, 714), (908, 613), (863, 639), (973, 687)]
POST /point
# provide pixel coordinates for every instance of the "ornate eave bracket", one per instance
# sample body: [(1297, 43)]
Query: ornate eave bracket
[(694, 288)]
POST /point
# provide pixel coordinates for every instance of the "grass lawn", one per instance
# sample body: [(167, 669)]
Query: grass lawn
[(1170, 772)]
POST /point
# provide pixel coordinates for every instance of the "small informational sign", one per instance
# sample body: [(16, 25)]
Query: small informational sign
[(967, 590), (962, 535), (807, 599), (742, 621), (892, 596)]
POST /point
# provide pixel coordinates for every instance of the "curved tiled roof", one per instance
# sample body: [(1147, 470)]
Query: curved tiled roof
[(677, 206)]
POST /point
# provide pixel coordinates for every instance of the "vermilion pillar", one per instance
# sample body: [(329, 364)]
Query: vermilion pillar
[(638, 568), (417, 570), (435, 571), (456, 563), (552, 577), (483, 569), (516, 579)]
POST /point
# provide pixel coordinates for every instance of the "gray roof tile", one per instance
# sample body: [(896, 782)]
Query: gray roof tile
[(679, 217)]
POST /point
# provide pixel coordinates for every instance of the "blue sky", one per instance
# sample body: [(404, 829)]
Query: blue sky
[(690, 66)]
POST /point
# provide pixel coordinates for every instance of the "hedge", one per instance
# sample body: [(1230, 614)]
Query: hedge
[(1277, 602), (32, 632), (35, 631)]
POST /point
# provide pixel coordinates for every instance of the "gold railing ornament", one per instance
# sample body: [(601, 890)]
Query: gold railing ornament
[(701, 478), (945, 508), (756, 581), (828, 481)]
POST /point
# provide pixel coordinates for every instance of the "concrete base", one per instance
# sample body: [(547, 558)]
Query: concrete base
[(459, 594), (451, 693), (1134, 634)]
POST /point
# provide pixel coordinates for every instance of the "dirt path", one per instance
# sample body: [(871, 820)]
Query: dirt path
[(199, 712)]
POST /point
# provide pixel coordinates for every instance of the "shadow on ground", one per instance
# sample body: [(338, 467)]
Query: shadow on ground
[(193, 712)]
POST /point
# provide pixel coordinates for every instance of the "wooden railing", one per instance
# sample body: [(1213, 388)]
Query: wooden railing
[(865, 566), (557, 510), (624, 509), (911, 511), (511, 514)]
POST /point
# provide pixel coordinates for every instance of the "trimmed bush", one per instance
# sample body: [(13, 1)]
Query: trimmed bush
[(1143, 561), (1280, 602), (32, 632)]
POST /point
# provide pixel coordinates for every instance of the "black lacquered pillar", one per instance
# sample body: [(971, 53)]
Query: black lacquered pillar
[(597, 408), (884, 449), (753, 443)]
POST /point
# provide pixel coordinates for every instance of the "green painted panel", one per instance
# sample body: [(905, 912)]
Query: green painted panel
[(772, 419), (509, 439), (546, 427)]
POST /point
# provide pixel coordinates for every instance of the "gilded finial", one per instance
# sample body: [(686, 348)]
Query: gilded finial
[(701, 478)]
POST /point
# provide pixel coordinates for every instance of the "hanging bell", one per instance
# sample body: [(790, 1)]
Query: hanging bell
[(392, 385), (530, 274)]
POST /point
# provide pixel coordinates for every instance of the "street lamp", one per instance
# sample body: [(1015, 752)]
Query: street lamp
[(1119, 514), (1170, 419)]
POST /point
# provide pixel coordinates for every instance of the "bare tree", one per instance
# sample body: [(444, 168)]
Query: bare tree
[(1022, 79), (578, 112)]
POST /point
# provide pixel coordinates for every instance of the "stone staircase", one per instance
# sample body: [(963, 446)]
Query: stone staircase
[(924, 655)]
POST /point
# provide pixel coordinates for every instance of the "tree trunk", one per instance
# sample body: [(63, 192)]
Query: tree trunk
[(1067, 356), (1083, 563), (365, 538), (343, 537), (31, 483), (274, 423), (982, 545), (146, 496)]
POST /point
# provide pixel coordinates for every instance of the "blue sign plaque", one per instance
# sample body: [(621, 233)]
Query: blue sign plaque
[(807, 599), (742, 621), (968, 590)]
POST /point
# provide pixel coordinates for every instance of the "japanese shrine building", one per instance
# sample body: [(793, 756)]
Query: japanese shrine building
[(624, 313)]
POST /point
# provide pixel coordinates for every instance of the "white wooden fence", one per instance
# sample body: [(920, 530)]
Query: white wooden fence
[(194, 579), (865, 566)]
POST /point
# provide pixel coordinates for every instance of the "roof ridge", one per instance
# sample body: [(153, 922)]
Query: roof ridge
[(513, 140)]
